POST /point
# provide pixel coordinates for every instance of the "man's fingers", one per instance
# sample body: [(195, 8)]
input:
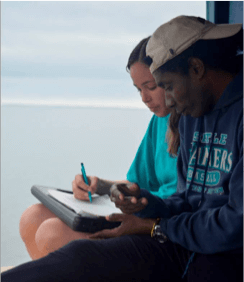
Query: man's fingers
[(115, 217), (106, 233), (109, 233), (132, 211), (133, 200), (114, 199), (133, 187), (124, 202), (131, 203), (144, 201), (133, 208), (130, 189), (116, 194), (98, 235), (126, 197)]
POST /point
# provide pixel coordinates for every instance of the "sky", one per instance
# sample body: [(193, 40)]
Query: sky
[(75, 52)]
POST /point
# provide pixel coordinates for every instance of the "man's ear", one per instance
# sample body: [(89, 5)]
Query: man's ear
[(196, 67)]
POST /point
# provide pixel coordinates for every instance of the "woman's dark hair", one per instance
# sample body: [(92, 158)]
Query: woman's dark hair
[(173, 138), (222, 54), (138, 54), (173, 135)]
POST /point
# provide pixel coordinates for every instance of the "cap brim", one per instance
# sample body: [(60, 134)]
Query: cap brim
[(222, 31)]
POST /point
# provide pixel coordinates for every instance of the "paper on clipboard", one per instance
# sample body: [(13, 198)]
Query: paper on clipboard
[(100, 206)]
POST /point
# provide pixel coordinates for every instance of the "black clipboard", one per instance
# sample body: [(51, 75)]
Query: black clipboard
[(77, 222)]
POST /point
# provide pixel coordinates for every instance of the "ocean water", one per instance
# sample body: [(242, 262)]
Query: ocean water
[(46, 144)]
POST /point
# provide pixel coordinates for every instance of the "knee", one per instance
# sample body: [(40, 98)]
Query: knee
[(49, 236), (30, 220)]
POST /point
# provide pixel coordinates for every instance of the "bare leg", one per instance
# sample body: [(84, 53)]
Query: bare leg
[(54, 234), (30, 221), (42, 232)]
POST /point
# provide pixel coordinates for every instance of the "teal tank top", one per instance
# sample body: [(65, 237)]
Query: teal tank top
[(153, 168)]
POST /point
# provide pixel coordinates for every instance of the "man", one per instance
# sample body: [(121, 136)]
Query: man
[(202, 83), (197, 232), (196, 63)]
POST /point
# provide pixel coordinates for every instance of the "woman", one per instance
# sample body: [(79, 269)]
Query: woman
[(153, 168)]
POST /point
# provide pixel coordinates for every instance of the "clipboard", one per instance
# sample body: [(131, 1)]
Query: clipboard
[(78, 222)]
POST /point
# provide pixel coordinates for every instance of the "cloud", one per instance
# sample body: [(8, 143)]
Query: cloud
[(43, 41)]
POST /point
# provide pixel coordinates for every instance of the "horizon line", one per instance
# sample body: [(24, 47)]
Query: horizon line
[(62, 103)]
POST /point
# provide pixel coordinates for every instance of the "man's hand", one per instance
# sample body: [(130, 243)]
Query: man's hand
[(130, 224), (126, 198)]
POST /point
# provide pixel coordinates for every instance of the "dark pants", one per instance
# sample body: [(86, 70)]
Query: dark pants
[(128, 258)]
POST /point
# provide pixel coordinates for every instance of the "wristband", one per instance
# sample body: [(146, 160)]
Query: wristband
[(154, 224), (157, 233)]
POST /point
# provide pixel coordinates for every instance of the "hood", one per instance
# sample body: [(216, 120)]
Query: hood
[(232, 93)]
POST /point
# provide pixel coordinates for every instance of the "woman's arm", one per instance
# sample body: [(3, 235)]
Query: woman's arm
[(96, 185)]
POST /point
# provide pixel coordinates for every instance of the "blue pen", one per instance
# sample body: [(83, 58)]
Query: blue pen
[(86, 180)]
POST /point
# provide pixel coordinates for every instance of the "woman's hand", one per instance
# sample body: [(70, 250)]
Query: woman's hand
[(130, 224), (126, 197), (80, 188)]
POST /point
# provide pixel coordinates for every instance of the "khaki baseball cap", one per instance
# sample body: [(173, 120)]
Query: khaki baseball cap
[(177, 35)]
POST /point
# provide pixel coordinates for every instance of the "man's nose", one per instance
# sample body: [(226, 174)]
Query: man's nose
[(169, 101)]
